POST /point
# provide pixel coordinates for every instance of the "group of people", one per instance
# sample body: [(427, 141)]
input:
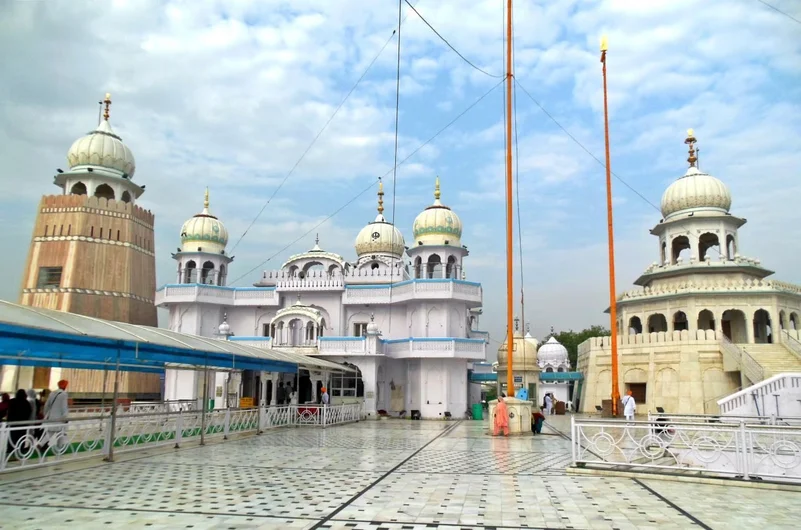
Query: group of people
[(26, 407), (501, 420), (285, 395)]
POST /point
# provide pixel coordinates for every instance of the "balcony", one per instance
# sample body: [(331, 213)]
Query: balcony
[(212, 294), (439, 347), (438, 289), (342, 346)]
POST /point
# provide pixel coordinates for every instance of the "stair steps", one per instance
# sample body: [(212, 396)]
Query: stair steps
[(774, 358)]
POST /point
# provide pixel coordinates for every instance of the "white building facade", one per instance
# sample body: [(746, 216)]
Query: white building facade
[(405, 317)]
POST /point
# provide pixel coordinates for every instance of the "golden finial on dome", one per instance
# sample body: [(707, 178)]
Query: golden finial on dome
[(604, 43), (380, 196), (436, 189), (690, 140), (107, 101), (206, 199)]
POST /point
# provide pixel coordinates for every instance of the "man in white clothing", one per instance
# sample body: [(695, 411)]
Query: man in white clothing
[(56, 409), (326, 398), (629, 406)]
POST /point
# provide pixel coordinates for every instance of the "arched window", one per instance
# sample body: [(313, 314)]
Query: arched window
[(549, 370), (707, 242), (782, 319), (731, 247), (126, 197), (104, 191), (657, 323), (734, 326), (680, 322), (79, 188), (434, 266), (706, 320), (664, 254), (680, 248), (450, 268), (374, 266), (635, 325), (794, 321), (207, 274), (763, 327), (418, 266), (190, 272)]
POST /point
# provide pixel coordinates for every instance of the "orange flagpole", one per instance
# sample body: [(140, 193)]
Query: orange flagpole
[(611, 230), (510, 345)]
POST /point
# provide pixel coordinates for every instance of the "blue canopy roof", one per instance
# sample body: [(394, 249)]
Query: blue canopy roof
[(32, 336)]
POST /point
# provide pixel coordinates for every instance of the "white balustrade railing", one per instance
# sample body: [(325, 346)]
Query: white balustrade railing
[(726, 419), (436, 347), (40, 443), (793, 344), (739, 450), (413, 290), (250, 296)]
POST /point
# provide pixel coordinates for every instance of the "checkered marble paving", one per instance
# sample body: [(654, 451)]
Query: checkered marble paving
[(389, 474)]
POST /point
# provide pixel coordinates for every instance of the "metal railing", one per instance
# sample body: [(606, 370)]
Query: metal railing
[(41, 443), (739, 450), (718, 418), (793, 344)]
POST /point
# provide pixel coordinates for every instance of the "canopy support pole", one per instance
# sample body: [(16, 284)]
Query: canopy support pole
[(205, 403), (103, 395), (113, 431)]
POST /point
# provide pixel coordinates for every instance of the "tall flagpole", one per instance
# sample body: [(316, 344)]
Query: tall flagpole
[(510, 345), (611, 230)]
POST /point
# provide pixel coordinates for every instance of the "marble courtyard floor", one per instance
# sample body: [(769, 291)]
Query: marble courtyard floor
[(392, 475)]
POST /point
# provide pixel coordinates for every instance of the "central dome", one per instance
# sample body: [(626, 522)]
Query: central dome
[(524, 353), (204, 232), (102, 148), (695, 191), (438, 224), (380, 237)]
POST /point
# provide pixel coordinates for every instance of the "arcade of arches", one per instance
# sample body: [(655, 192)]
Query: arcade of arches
[(737, 325)]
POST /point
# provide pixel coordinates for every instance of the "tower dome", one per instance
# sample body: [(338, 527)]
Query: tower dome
[(380, 236), (524, 352), (102, 148), (695, 191), (438, 224), (552, 353), (204, 232)]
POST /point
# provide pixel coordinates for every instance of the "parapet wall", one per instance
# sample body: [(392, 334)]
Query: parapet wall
[(649, 338), (85, 201)]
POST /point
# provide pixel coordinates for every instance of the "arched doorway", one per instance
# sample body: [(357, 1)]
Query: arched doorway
[(680, 322), (79, 188), (706, 320), (434, 266), (635, 325), (207, 273), (733, 326), (680, 249), (450, 268), (763, 330), (304, 388), (707, 242), (190, 272)]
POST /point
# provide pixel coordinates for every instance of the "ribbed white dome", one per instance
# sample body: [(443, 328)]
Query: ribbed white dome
[(696, 191), (524, 353), (552, 352), (438, 224), (204, 231), (380, 237), (102, 148)]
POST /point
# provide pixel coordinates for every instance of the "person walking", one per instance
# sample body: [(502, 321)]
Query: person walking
[(18, 410), (548, 404), (501, 417), (56, 409), (629, 406), (326, 398)]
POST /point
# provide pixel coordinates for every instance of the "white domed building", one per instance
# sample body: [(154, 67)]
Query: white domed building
[(704, 321), (201, 257), (405, 318)]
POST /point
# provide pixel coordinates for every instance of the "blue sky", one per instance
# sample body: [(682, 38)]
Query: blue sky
[(229, 94)]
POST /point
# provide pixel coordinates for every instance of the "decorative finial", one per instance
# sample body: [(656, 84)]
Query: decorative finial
[(517, 323), (604, 43), (691, 142), (372, 317), (206, 199), (436, 189), (317, 239), (107, 101), (552, 332), (528, 327), (380, 196), (298, 302)]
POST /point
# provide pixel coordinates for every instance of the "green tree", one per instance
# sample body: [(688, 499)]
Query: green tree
[(571, 340)]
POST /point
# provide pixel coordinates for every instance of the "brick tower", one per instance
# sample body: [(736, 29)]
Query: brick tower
[(92, 253)]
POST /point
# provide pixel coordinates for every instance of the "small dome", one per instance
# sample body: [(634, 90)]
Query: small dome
[(224, 328), (102, 148), (380, 237), (696, 191), (525, 353), (372, 327), (553, 353), (204, 231), (438, 224)]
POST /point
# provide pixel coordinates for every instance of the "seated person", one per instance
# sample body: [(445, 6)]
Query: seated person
[(537, 419)]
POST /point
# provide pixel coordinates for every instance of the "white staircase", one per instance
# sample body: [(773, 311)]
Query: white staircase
[(774, 358), (779, 395)]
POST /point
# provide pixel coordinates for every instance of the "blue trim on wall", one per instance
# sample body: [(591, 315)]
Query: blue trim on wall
[(334, 339), (561, 376), (482, 332), (483, 378), (223, 287)]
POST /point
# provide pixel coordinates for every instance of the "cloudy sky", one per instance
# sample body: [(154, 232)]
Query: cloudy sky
[(229, 94)]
